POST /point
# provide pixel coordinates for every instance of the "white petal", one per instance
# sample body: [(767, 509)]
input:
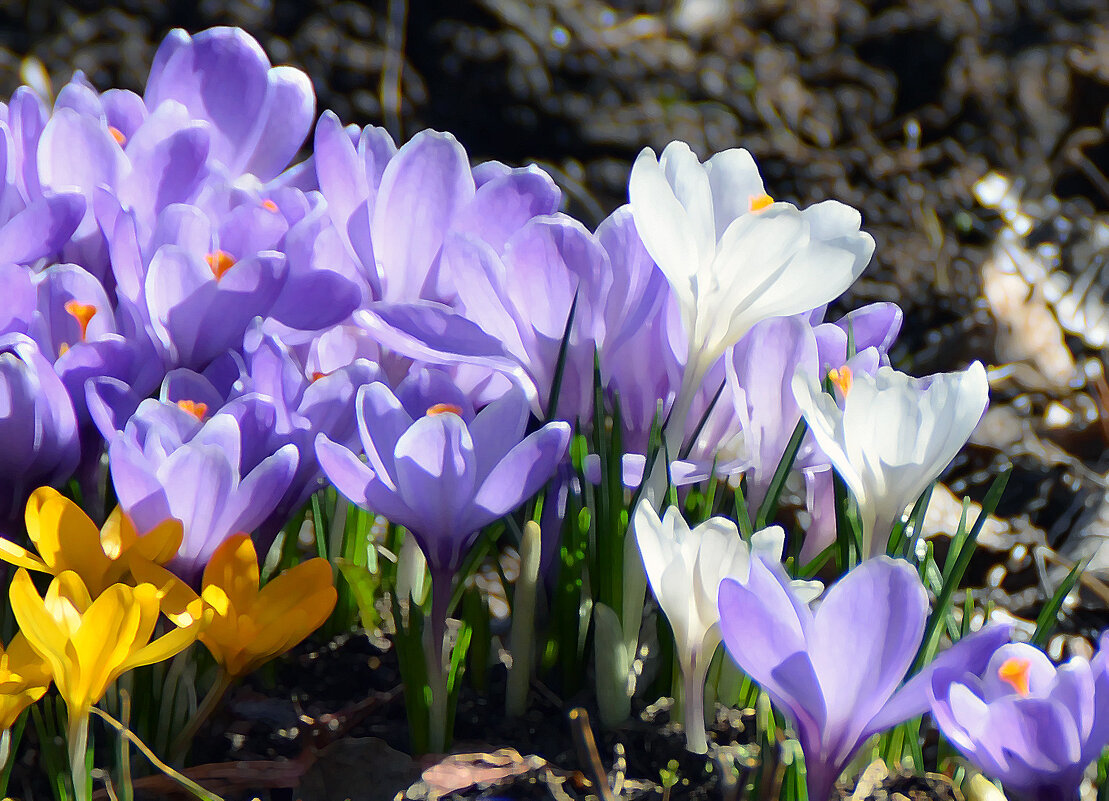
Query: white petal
[(690, 182), (662, 224), (735, 180)]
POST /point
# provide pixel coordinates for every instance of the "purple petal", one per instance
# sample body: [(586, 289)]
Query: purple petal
[(137, 487), (433, 333), (435, 478), (290, 110), (19, 296), (504, 204), (42, 228), (524, 470), (422, 189), (970, 655), (221, 75), (861, 666)]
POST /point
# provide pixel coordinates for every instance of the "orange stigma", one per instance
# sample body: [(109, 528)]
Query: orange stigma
[(118, 135), (757, 203), (269, 205), (82, 313), (197, 410), (1014, 671), (841, 377), (316, 376), (221, 261), (444, 408)]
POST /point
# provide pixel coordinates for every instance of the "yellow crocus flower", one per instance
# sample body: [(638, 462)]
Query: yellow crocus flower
[(90, 643), (257, 625), (66, 539), (249, 625), (24, 678)]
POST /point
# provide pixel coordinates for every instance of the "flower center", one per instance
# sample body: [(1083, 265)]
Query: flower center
[(841, 377), (269, 205), (82, 313), (444, 408), (197, 410), (757, 203), (118, 135), (220, 262), (1014, 672)]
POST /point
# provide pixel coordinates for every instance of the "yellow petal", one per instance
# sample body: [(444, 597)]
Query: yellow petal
[(164, 647), (62, 532), (42, 631), (161, 543), (21, 557), (308, 587), (110, 632), (175, 595), (234, 569)]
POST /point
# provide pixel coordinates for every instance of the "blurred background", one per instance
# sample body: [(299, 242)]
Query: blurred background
[(970, 133)]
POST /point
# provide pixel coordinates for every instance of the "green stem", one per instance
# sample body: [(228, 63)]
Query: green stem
[(78, 741), (204, 711)]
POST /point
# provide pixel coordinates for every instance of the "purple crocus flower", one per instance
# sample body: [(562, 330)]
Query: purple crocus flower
[(258, 115), (837, 672), (172, 460), (1024, 721), (38, 428), (440, 471)]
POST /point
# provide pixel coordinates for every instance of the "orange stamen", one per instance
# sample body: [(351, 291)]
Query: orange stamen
[(118, 135), (82, 313), (842, 378), (444, 408), (757, 203), (269, 205), (221, 261), (197, 410), (1014, 671)]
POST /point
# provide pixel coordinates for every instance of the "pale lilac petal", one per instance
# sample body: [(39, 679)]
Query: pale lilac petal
[(290, 110), (422, 189), (42, 228), (524, 470)]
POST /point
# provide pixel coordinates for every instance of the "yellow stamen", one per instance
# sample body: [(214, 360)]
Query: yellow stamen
[(221, 261), (842, 378), (269, 205), (62, 349), (444, 408), (197, 410), (1014, 671), (118, 135), (757, 203), (82, 313)]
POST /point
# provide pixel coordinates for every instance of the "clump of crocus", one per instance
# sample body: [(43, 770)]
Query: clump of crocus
[(66, 539), (892, 435), (685, 567), (836, 673), (90, 643), (443, 474), (1024, 721)]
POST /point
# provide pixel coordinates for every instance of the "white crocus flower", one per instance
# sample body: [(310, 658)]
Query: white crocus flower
[(732, 255), (893, 435), (685, 569)]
